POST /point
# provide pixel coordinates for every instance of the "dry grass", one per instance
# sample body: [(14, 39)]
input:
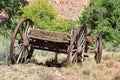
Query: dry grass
[(44, 68), (116, 76), (111, 56), (76, 68), (27, 72), (110, 64)]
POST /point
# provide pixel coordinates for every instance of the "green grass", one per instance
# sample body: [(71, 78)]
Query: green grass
[(4, 49)]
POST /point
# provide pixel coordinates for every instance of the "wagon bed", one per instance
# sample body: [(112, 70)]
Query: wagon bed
[(49, 36), (48, 40)]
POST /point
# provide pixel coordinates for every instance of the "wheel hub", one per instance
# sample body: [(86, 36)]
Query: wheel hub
[(25, 42), (79, 49)]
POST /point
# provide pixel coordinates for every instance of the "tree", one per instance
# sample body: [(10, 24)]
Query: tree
[(10, 7), (103, 15)]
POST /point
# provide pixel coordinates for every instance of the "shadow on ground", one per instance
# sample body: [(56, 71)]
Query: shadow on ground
[(50, 63)]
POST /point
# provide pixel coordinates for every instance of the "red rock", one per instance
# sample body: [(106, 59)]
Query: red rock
[(64, 1)]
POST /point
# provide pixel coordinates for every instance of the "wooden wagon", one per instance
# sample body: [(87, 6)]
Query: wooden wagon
[(74, 43)]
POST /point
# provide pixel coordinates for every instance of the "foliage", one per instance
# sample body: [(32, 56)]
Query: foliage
[(10, 8), (103, 15), (112, 47), (45, 17)]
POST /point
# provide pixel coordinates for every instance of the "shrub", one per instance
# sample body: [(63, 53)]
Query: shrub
[(103, 15), (45, 17), (112, 47)]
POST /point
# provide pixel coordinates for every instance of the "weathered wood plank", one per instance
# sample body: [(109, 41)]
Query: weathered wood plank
[(49, 35)]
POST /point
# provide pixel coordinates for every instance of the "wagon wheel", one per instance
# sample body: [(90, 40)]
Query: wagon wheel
[(98, 50), (77, 45), (20, 50)]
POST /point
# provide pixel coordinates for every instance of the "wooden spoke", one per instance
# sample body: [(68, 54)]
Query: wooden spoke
[(74, 58), (25, 54), (19, 49), (17, 45), (82, 39), (20, 55), (19, 40), (20, 34)]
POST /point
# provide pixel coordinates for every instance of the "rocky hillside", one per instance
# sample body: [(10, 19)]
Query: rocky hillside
[(69, 9)]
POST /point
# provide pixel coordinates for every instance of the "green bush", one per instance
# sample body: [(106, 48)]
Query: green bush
[(10, 8), (103, 15), (112, 47), (45, 17)]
